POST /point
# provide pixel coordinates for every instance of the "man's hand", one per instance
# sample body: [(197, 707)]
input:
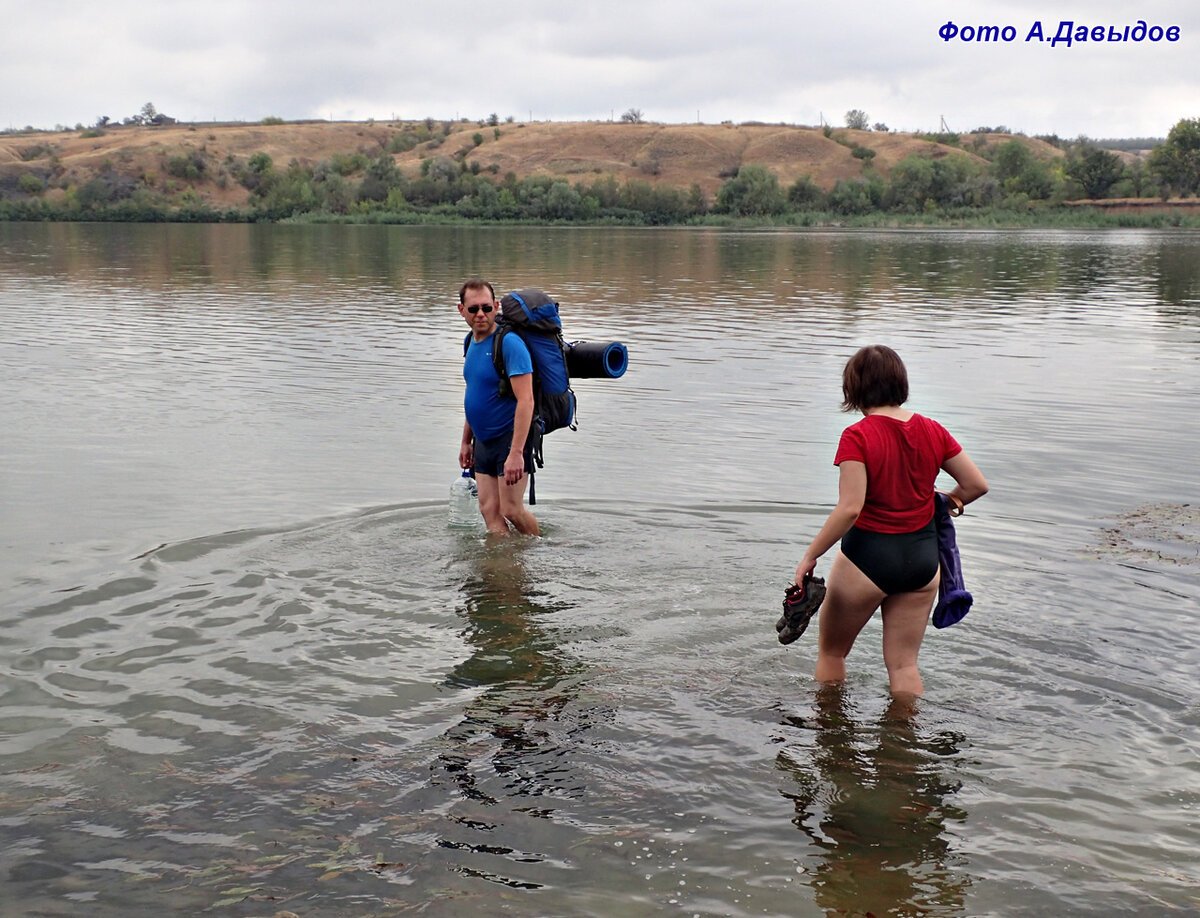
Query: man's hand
[(514, 468), (466, 455)]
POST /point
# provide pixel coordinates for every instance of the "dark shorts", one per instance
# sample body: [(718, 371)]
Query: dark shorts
[(894, 562), (490, 455)]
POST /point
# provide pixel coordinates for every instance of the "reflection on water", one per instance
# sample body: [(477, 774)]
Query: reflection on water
[(509, 756), (873, 801)]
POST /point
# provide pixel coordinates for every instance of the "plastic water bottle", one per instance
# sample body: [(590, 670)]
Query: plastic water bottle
[(464, 502)]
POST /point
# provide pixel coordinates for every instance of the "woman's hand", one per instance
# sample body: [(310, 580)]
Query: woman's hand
[(971, 483), (805, 568)]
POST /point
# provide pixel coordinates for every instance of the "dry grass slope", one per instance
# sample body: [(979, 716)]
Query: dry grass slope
[(678, 155)]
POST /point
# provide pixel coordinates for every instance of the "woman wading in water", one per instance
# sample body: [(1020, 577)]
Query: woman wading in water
[(888, 464)]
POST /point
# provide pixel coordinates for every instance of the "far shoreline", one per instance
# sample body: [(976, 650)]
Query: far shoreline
[(1184, 215), (489, 172)]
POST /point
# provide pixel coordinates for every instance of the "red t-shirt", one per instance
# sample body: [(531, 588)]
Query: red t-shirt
[(902, 460)]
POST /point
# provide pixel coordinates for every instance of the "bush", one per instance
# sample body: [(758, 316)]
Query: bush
[(381, 180), (37, 151), (402, 142), (31, 184), (347, 163), (857, 196), (186, 165), (948, 138), (104, 189), (753, 192), (805, 194), (658, 205)]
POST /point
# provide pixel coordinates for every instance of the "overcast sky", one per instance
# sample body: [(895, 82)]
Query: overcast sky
[(70, 61)]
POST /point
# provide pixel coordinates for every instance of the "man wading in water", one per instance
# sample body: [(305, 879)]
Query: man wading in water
[(496, 431)]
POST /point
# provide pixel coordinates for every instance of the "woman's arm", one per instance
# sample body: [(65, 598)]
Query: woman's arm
[(852, 493), (971, 483)]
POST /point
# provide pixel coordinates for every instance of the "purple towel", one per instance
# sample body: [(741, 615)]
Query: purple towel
[(953, 599)]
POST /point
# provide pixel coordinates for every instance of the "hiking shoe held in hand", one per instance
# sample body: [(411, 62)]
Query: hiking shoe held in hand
[(800, 604)]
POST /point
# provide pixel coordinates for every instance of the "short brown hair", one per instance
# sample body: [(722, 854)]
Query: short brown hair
[(874, 378), (474, 283)]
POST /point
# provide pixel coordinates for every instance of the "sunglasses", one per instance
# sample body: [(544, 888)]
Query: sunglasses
[(474, 309)]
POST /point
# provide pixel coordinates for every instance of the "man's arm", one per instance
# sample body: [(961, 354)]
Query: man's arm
[(466, 450), (522, 388)]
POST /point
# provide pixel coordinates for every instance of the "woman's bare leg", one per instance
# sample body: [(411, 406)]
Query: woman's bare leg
[(850, 601), (905, 617)]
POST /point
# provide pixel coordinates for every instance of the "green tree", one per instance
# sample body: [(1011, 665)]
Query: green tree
[(485, 202), (561, 202), (382, 176), (605, 190), (334, 194), (856, 196), (1138, 181), (912, 184), (753, 192), (1095, 170), (657, 205), (1022, 173), (857, 120), (918, 183), (289, 194), (1177, 161)]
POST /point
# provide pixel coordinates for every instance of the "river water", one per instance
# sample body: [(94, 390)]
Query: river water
[(246, 667)]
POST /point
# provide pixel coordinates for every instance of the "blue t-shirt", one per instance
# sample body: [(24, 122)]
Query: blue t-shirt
[(488, 413)]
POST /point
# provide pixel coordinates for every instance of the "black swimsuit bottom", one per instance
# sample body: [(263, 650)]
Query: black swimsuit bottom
[(898, 562)]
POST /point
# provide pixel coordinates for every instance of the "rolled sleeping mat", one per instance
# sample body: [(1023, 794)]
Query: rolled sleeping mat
[(597, 360)]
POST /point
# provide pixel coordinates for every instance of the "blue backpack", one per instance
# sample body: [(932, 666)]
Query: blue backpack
[(533, 316)]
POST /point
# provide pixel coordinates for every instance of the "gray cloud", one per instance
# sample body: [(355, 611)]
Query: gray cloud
[(69, 62)]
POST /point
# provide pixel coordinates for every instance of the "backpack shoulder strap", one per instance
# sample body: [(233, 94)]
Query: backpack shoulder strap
[(498, 353), (498, 360), (466, 344)]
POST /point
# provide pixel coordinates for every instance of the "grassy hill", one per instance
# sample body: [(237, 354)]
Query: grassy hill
[(205, 161), (434, 171)]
